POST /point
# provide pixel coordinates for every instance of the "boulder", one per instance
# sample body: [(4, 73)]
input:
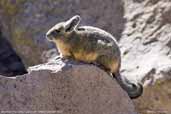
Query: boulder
[(62, 87)]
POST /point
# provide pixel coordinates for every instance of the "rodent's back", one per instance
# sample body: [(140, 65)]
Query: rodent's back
[(93, 44), (104, 39), (93, 30)]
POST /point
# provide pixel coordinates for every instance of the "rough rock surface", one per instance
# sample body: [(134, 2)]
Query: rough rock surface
[(146, 48), (64, 88)]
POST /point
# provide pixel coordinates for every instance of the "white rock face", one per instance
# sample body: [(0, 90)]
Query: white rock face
[(64, 88), (146, 39), (146, 52)]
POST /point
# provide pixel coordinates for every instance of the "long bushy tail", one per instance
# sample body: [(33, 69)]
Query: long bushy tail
[(133, 90)]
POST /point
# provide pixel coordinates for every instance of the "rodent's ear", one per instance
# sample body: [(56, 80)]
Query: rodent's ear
[(72, 23)]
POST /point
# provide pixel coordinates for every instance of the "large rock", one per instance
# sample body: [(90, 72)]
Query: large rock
[(64, 88), (146, 48), (145, 43)]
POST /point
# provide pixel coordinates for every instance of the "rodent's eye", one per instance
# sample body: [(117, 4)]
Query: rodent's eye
[(57, 31)]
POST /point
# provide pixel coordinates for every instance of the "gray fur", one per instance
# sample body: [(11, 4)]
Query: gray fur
[(92, 45)]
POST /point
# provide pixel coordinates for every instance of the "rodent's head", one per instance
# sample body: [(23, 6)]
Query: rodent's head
[(63, 28)]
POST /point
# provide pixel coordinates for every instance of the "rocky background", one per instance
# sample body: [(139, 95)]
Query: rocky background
[(142, 28)]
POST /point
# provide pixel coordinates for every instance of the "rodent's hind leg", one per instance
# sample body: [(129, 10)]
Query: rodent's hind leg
[(102, 63)]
